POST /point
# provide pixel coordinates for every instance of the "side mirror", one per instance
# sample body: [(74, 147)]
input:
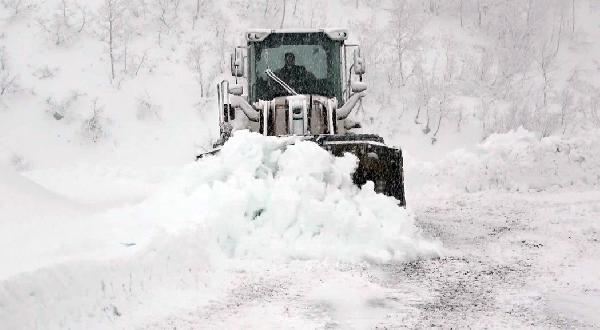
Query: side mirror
[(236, 90), (359, 63), (358, 86), (237, 64)]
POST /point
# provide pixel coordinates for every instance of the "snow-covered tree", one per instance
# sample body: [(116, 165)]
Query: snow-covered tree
[(405, 26), (8, 79), (112, 18)]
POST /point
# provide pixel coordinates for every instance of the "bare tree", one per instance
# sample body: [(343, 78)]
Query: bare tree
[(114, 30), (68, 20), (110, 16), (433, 7), (166, 13), (565, 105), (405, 26), (8, 81), (222, 47), (18, 6), (450, 67), (200, 4), (573, 16), (484, 66), (83, 14), (545, 60), (266, 8), (197, 61), (442, 111), (559, 34), (595, 110), (94, 127), (62, 108), (45, 72), (138, 64), (482, 9), (147, 109), (529, 12), (283, 14), (479, 13), (459, 119), (425, 94), (461, 11)]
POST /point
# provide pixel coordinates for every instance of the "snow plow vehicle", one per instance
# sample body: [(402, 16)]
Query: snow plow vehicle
[(301, 83)]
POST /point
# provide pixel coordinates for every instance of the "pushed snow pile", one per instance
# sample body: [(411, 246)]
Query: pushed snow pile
[(516, 161), (265, 197)]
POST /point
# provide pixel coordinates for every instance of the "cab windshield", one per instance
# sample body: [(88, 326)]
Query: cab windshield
[(307, 62)]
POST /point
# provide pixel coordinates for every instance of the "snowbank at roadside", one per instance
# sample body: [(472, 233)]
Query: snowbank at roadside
[(515, 161), (33, 223)]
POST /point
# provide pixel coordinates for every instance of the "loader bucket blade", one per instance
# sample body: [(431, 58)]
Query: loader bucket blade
[(377, 162)]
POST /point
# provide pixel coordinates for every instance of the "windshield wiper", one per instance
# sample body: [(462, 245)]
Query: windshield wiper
[(278, 80)]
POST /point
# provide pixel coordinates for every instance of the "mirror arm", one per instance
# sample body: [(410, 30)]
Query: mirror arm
[(249, 111), (347, 108), (348, 89), (235, 65)]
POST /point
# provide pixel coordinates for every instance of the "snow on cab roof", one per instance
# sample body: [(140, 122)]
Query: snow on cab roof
[(261, 34)]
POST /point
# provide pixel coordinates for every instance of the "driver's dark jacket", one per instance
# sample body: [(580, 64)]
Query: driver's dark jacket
[(296, 76)]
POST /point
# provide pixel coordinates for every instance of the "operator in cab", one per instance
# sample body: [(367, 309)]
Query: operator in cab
[(296, 76)]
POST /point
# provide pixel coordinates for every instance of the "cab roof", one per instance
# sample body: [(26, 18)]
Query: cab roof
[(255, 35)]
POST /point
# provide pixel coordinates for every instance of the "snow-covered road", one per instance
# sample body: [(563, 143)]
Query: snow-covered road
[(513, 261), (257, 237)]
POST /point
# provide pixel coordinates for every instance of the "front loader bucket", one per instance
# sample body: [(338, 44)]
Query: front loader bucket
[(377, 162)]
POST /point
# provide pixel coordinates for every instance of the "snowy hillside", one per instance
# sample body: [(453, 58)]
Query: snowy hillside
[(107, 222), (480, 66)]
